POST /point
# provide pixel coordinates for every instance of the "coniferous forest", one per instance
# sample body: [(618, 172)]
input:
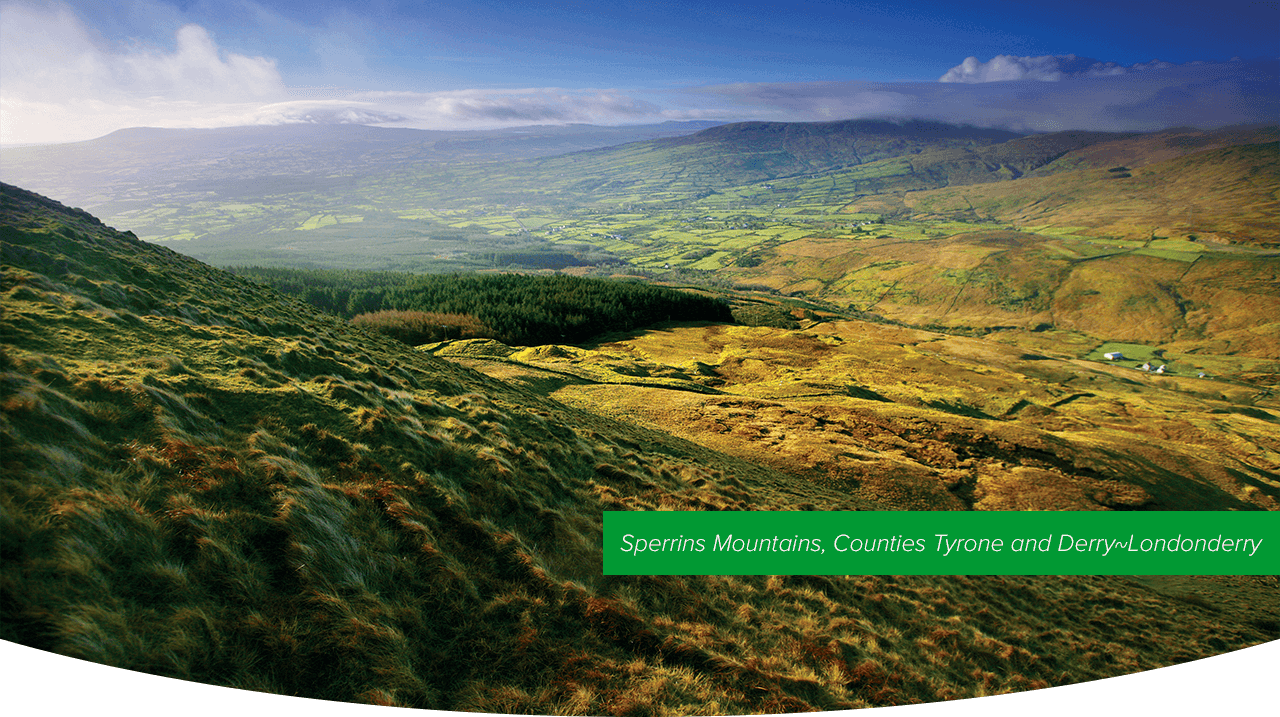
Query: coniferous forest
[(516, 309)]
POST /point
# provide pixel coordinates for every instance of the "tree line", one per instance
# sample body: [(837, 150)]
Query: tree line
[(516, 309)]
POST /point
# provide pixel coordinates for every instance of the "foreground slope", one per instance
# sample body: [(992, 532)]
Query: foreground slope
[(205, 480)]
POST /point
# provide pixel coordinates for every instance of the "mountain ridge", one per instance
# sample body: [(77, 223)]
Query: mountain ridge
[(749, 164), (78, 171)]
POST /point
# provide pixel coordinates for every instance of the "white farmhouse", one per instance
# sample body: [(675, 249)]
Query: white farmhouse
[(1113, 356)]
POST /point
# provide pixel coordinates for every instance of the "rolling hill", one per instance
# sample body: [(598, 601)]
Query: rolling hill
[(1184, 296), (146, 163), (1221, 195), (369, 197), (205, 479), (855, 158)]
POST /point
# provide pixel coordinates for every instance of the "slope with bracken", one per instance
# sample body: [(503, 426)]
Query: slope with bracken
[(1224, 195), (921, 420), (206, 480), (1190, 298)]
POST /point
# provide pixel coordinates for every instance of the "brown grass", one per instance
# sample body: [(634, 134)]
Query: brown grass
[(423, 327)]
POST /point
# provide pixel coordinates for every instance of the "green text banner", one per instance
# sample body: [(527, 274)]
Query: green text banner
[(941, 543)]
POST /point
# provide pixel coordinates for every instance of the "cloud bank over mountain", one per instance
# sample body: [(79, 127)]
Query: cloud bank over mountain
[(60, 80), (1048, 68), (1205, 95)]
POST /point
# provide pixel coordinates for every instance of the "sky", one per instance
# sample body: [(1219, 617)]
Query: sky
[(80, 69)]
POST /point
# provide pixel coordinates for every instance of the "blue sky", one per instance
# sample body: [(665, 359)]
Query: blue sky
[(78, 69)]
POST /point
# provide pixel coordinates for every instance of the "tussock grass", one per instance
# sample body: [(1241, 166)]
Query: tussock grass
[(943, 422)]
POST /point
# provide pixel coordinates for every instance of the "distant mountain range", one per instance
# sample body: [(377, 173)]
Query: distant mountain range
[(131, 161), (865, 162)]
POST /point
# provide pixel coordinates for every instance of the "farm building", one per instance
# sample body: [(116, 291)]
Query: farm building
[(1113, 356)]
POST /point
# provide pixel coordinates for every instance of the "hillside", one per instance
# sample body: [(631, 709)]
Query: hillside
[(855, 158), (922, 420), (1187, 297), (1221, 195), (406, 200), (701, 164), (207, 480), (237, 183)]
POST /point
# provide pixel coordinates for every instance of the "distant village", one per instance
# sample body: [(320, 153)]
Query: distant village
[(1146, 366)]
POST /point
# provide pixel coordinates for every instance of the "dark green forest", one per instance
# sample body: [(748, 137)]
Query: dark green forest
[(516, 309)]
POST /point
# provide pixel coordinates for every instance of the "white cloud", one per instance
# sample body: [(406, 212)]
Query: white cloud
[(323, 112), (60, 81), (196, 69), (53, 70), (1046, 68), (531, 106)]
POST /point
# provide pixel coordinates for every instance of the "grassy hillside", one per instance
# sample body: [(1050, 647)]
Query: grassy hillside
[(207, 480), (665, 172), (1188, 297), (365, 198), (1225, 195), (921, 420), (236, 184)]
